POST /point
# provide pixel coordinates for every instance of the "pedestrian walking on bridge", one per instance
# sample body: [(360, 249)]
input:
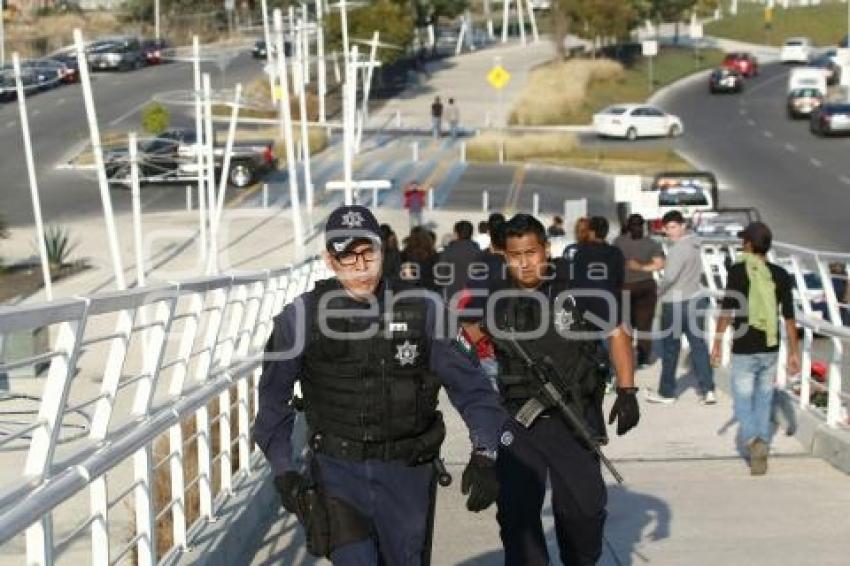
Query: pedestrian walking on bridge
[(757, 293)]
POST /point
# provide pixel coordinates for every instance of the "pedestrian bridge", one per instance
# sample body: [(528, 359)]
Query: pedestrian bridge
[(125, 438)]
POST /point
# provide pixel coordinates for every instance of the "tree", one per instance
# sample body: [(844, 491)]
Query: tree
[(155, 118), (393, 20), (603, 18)]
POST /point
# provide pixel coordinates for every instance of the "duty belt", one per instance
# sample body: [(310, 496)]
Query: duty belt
[(414, 450)]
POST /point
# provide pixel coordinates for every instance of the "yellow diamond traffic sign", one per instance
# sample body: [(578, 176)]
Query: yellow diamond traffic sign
[(498, 77)]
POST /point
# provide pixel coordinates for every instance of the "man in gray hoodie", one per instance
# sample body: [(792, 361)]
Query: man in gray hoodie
[(682, 311)]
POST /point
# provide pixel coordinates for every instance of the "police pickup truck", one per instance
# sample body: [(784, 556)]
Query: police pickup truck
[(688, 192), (171, 158)]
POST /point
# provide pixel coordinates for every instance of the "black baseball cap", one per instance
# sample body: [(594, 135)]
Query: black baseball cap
[(348, 225), (758, 235)]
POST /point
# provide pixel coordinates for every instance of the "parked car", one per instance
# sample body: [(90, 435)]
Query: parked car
[(259, 51), (743, 62), (633, 121), (828, 62), (121, 54), (830, 118), (803, 101), (725, 80), (796, 50), (153, 49), (723, 223), (171, 158), (68, 64)]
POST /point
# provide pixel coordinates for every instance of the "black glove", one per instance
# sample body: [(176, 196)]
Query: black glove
[(480, 482), (292, 487), (625, 410)]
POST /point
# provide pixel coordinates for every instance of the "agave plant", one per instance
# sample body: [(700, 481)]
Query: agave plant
[(57, 240)]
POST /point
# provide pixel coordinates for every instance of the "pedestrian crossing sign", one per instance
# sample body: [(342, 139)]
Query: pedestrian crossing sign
[(498, 77)]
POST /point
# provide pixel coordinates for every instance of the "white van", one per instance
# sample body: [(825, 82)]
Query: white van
[(807, 77)]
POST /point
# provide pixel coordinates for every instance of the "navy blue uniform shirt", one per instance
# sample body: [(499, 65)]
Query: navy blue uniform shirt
[(468, 388)]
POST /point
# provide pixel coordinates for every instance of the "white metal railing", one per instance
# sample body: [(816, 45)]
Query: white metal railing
[(152, 372)]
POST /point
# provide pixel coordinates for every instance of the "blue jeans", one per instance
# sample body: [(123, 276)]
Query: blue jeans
[(752, 393), (677, 319), (436, 126)]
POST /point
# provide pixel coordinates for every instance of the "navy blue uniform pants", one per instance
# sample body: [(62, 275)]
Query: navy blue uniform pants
[(549, 449), (393, 498)]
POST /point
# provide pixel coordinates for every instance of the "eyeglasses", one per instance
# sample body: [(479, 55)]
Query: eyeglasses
[(349, 259)]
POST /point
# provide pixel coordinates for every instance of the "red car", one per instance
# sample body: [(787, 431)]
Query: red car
[(153, 49), (744, 63)]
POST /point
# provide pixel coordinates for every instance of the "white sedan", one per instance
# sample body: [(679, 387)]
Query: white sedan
[(633, 121), (796, 50)]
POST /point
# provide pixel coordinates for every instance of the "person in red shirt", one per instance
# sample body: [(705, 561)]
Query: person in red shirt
[(414, 202)]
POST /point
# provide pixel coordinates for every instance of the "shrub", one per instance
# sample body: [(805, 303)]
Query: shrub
[(155, 118), (57, 239)]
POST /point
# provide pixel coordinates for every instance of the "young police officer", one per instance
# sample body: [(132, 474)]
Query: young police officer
[(370, 359), (534, 305)]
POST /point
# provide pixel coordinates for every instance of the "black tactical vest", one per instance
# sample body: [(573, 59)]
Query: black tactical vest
[(371, 397), (581, 361)]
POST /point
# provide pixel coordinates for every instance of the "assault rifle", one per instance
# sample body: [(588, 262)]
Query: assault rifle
[(553, 387)]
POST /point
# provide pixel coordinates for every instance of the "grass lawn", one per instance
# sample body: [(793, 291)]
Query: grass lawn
[(564, 149), (633, 86), (826, 23)]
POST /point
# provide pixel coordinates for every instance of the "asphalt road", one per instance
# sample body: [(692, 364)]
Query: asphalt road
[(58, 124), (799, 183)]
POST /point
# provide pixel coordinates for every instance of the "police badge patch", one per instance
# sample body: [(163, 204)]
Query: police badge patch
[(406, 353), (352, 219), (563, 320)]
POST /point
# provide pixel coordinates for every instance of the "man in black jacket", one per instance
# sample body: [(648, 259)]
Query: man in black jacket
[(452, 270)]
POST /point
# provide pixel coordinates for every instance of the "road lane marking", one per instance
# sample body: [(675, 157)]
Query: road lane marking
[(10, 123), (845, 179), (790, 148), (60, 102), (127, 114), (816, 162), (36, 112), (751, 122), (742, 111), (767, 134)]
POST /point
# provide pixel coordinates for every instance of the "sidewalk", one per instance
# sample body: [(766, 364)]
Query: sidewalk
[(688, 499), (464, 78)]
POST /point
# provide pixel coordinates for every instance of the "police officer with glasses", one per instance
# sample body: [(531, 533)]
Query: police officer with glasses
[(371, 355)]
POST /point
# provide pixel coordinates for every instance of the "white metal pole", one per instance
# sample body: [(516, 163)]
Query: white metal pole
[(460, 37), (534, 31), (364, 112), (156, 19), (265, 201), (463, 152), (199, 151), (286, 133), (212, 258), (430, 198), (535, 205), (103, 183), (270, 64), (2, 33), (520, 20), (303, 118), (349, 102), (485, 202), (228, 154), (33, 181), (489, 15), (188, 198), (321, 64), (305, 42), (337, 72), (137, 210), (295, 43), (506, 6), (343, 19)]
